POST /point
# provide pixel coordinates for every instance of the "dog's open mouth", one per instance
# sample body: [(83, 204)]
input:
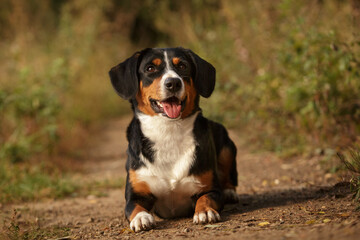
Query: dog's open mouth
[(171, 107)]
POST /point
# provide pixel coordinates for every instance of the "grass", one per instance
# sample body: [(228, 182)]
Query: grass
[(351, 159), (13, 230), (23, 184), (19, 184)]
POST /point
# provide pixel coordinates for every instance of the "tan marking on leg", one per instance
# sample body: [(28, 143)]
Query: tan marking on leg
[(206, 180), (136, 210), (138, 186), (204, 204)]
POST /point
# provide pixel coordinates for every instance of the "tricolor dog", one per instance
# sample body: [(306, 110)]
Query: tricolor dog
[(179, 163)]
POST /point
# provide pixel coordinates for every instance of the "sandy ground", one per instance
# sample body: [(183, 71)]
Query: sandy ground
[(280, 199)]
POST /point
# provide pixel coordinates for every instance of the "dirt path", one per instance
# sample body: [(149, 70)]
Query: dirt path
[(279, 200)]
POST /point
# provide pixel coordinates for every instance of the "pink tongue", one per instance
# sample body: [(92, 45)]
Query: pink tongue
[(172, 109)]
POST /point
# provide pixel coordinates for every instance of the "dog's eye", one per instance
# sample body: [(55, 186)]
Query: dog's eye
[(150, 68), (182, 66)]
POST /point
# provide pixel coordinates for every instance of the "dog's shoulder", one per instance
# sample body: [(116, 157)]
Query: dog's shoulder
[(205, 128)]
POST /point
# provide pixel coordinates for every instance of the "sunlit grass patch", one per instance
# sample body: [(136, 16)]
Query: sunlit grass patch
[(24, 183), (20, 183)]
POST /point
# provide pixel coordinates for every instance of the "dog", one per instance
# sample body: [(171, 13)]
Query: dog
[(179, 163)]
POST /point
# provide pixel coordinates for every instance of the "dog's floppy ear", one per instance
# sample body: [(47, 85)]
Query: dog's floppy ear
[(205, 75), (124, 77)]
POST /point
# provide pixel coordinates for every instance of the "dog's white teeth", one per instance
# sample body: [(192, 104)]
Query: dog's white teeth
[(159, 104)]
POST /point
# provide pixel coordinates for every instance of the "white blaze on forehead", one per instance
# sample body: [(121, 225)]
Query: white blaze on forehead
[(170, 73), (166, 58)]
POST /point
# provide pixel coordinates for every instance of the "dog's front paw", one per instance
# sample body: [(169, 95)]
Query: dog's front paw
[(142, 221), (207, 216)]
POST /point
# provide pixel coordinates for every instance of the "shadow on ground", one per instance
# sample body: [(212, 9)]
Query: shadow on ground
[(249, 203)]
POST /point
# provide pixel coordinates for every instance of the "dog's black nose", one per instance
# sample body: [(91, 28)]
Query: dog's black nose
[(173, 84)]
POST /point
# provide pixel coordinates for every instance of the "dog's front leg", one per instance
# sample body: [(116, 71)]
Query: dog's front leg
[(139, 202), (207, 208)]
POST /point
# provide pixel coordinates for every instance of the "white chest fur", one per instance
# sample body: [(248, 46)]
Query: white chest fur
[(174, 152)]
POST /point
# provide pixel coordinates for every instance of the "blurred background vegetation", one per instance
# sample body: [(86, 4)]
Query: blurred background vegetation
[(288, 75)]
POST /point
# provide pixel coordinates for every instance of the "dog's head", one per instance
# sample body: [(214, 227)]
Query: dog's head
[(164, 82)]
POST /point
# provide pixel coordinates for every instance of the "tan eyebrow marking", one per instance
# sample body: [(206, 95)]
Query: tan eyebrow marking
[(176, 60), (156, 61)]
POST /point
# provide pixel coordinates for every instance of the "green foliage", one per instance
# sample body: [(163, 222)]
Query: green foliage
[(28, 122), (321, 78), (315, 86), (25, 183)]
